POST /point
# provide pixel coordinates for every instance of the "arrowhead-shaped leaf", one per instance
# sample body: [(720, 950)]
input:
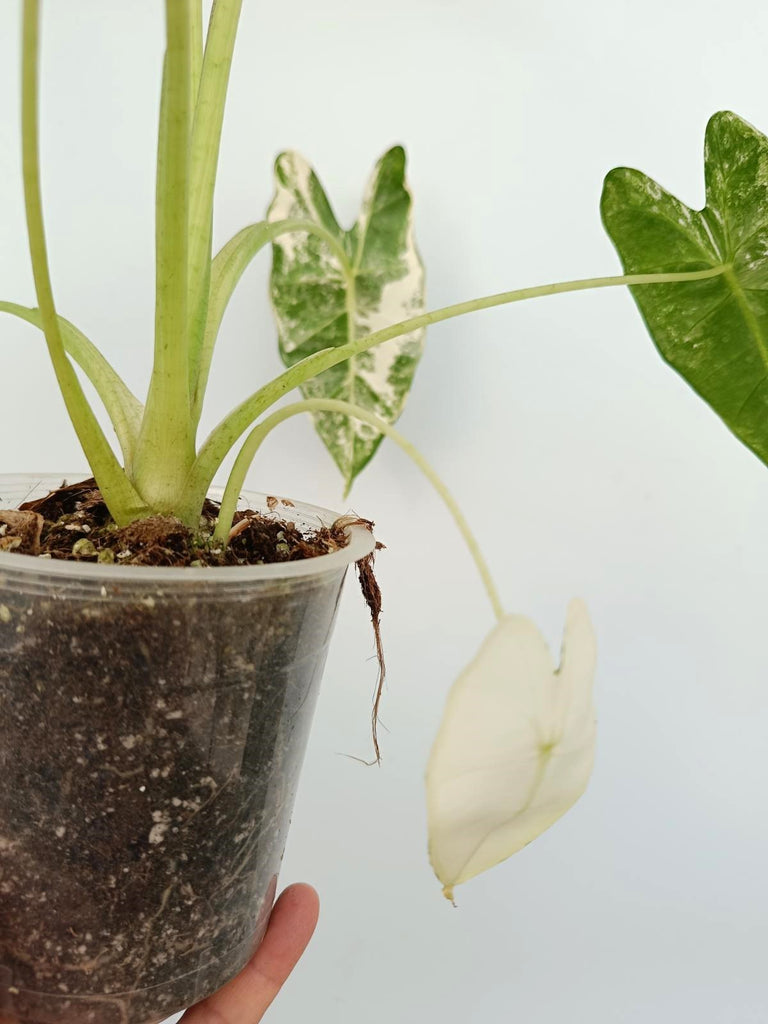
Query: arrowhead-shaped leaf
[(322, 300), (713, 332), (515, 747)]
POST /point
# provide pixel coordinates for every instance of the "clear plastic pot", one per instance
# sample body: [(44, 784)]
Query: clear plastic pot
[(152, 727)]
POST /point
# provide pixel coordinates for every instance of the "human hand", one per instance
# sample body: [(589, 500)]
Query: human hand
[(246, 998)]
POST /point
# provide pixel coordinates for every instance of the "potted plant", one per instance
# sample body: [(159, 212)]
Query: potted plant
[(155, 714), (160, 650)]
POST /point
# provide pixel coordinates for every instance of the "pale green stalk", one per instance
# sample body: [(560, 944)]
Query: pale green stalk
[(259, 433), (204, 157), (122, 406), (195, 50), (123, 501), (227, 269), (224, 436), (166, 449), (351, 308)]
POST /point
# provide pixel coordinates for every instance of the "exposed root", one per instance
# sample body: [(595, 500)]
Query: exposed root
[(239, 528), (372, 594), (207, 803), (149, 927)]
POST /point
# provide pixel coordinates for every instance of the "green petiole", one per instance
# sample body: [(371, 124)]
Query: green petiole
[(166, 444), (225, 435), (310, 405), (121, 497), (204, 155), (227, 269), (122, 406)]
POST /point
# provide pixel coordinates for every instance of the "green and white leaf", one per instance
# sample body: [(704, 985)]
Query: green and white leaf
[(713, 332), (324, 296), (515, 747)]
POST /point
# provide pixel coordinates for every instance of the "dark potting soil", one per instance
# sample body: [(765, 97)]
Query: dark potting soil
[(150, 745), (73, 523)]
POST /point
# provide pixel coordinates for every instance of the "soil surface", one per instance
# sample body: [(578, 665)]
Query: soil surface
[(73, 524)]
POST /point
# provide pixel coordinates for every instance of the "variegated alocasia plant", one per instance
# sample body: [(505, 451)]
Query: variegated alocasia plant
[(515, 746)]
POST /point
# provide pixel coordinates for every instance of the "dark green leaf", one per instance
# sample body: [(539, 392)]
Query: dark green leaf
[(713, 332)]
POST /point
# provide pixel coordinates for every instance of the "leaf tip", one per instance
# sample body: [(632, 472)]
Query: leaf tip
[(285, 165), (726, 131), (622, 188), (616, 178), (722, 117), (393, 161)]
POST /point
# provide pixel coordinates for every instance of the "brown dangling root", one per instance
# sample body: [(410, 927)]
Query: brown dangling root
[(372, 596)]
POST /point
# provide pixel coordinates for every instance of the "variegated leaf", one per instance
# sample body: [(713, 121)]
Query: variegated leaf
[(325, 295)]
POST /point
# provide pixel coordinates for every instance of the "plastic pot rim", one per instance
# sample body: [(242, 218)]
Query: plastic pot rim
[(308, 516)]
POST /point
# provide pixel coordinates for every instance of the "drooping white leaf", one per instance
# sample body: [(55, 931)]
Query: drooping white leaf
[(515, 747)]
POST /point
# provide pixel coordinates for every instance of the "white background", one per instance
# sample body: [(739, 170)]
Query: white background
[(584, 463)]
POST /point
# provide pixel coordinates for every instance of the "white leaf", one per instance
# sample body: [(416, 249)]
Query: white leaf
[(515, 748)]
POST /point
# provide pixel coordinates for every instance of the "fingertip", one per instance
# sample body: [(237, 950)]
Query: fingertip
[(244, 999), (302, 894), (300, 904)]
